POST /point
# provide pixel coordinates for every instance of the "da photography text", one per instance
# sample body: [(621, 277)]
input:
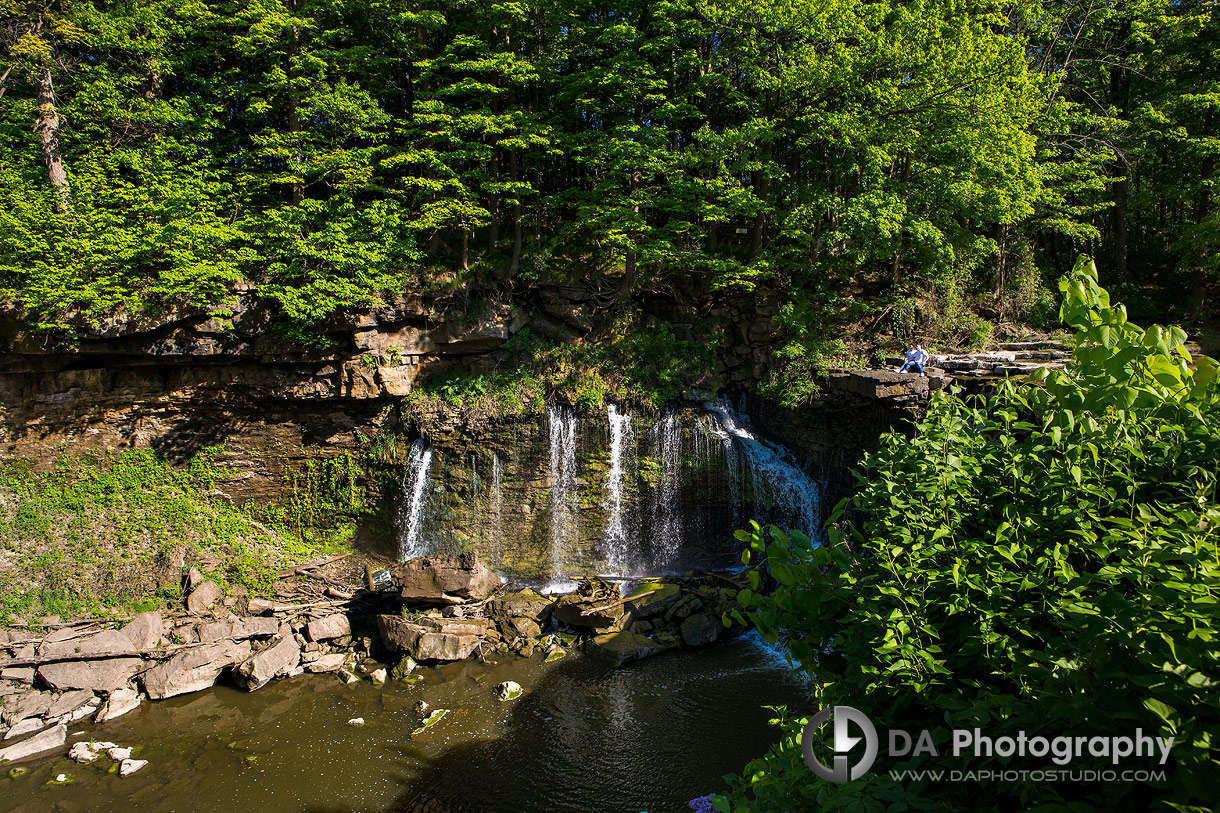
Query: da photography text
[(1060, 750)]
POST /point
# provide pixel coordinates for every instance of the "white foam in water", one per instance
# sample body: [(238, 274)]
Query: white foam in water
[(411, 513)]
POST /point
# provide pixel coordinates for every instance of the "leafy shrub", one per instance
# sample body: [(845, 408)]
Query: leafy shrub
[(1048, 560)]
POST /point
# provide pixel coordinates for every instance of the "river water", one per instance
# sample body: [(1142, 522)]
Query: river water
[(585, 737)]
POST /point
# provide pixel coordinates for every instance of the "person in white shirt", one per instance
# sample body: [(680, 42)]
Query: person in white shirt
[(916, 357)]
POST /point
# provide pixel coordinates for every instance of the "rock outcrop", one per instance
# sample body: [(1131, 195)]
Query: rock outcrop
[(193, 669), (439, 639), (279, 657), (441, 580)]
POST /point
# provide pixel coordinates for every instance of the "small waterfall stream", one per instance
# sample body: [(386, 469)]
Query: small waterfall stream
[(667, 530), (621, 547), (562, 424), (496, 506), (415, 493), (775, 478)]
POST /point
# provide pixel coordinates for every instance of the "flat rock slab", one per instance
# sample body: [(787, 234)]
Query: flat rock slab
[(332, 626), (237, 628), (880, 384), (27, 726), (193, 670), (427, 642), (69, 702), (30, 704), (47, 740), (106, 642), (145, 630), (203, 597), (104, 675), (318, 663)]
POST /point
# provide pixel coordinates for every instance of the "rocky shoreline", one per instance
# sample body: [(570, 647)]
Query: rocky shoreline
[(429, 610)]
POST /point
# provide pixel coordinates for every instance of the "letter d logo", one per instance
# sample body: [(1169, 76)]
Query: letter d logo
[(843, 743)]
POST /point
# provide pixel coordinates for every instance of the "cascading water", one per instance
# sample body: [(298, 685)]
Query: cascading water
[(496, 506), (667, 498), (619, 537), (667, 527), (774, 479), (474, 479), (411, 513), (564, 508)]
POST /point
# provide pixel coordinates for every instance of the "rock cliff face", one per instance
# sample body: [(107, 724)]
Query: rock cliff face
[(188, 380)]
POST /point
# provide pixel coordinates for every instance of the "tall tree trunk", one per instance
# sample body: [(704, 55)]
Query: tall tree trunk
[(1001, 264), (294, 113), (1120, 230), (1198, 276), (630, 268), (514, 265), (762, 186), (48, 125)]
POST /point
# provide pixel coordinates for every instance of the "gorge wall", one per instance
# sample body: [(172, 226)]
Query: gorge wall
[(189, 380)]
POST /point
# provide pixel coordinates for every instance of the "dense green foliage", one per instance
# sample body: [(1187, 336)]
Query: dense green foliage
[(159, 153), (1045, 561), (100, 535)]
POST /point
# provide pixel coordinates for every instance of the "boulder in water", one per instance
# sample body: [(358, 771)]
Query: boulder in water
[(194, 669), (277, 658), (622, 647), (448, 579), (700, 629)]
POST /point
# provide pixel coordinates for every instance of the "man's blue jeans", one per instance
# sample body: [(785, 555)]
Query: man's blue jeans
[(918, 365)]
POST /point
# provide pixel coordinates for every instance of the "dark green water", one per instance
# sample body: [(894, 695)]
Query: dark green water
[(585, 737)]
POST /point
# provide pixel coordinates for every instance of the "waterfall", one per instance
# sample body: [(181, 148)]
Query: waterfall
[(667, 520), (415, 492), (496, 506), (564, 508), (618, 538), (474, 479), (774, 477)]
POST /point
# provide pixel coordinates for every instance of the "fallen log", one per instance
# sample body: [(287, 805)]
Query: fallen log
[(300, 570)]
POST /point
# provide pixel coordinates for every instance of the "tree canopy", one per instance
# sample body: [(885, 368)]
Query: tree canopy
[(156, 154)]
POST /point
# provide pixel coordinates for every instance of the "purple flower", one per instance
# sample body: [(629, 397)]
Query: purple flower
[(702, 805)]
